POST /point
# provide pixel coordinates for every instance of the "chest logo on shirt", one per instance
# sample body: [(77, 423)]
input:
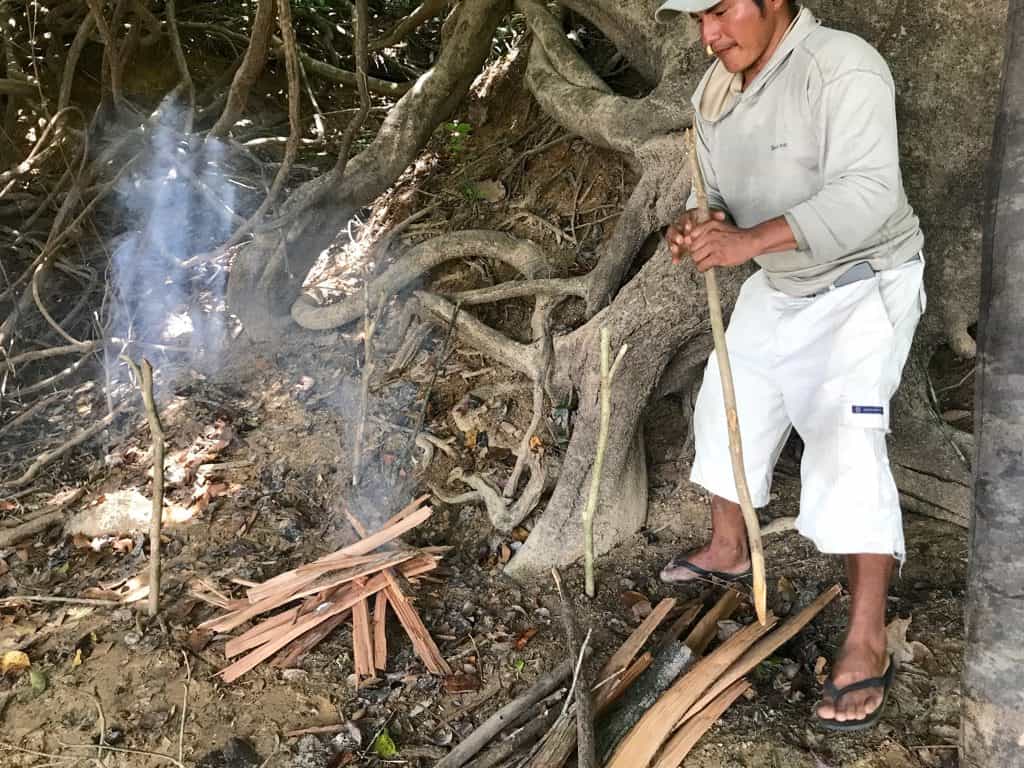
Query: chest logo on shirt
[(776, 147)]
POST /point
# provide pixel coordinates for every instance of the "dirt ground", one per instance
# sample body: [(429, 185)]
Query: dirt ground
[(286, 456), (286, 415)]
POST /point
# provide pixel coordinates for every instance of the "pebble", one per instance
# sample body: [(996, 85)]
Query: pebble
[(131, 639), (469, 669), (292, 675)]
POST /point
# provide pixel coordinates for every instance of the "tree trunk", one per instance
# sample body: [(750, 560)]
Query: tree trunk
[(993, 683)]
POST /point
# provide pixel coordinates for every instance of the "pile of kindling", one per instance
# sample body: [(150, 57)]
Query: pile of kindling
[(309, 602)]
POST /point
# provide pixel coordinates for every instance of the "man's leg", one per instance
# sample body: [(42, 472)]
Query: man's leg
[(728, 550), (863, 654)]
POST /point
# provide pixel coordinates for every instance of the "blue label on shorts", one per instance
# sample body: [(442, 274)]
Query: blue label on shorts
[(873, 409)]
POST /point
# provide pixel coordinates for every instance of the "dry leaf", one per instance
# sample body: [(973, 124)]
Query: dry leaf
[(77, 661), (461, 683), (14, 661), (820, 665), (4, 567), (536, 444), (7, 506), (896, 641), (506, 553), (524, 638)]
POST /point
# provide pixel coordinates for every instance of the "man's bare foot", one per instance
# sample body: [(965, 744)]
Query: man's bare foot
[(858, 660), (722, 561)]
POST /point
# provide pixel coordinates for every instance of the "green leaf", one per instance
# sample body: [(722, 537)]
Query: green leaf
[(519, 665), (384, 745), (37, 678)]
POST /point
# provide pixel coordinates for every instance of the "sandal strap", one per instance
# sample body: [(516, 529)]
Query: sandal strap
[(883, 682), (679, 561)]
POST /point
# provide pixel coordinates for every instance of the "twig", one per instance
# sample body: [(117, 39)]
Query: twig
[(182, 64), (608, 370), (580, 687), (428, 9), (356, 124), (184, 708), (63, 600), (497, 722), (369, 366), (145, 377), (103, 726), (433, 380), (48, 456), (547, 352), (729, 396), (249, 70)]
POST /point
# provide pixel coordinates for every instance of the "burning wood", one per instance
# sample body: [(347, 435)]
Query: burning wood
[(317, 597)]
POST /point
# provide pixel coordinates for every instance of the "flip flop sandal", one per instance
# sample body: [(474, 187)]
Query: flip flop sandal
[(681, 562), (884, 682)]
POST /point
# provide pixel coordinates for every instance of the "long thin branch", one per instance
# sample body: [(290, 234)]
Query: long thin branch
[(145, 379), (182, 64), (110, 46), (356, 124), (49, 456), (252, 65), (427, 10), (753, 525), (587, 753), (608, 370)]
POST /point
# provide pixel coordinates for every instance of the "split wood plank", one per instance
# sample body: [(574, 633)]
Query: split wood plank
[(293, 654), (643, 741), (380, 638), (422, 642), (407, 510), (362, 641), (290, 581), (361, 547), (690, 612), (611, 693), (765, 648), (706, 629), (257, 634), (629, 649), (679, 746), (229, 621), (285, 635)]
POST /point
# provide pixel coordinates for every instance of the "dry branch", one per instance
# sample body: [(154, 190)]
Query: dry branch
[(586, 753), (501, 719), (252, 66), (401, 30), (49, 456), (729, 396), (608, 370), (145, 379)]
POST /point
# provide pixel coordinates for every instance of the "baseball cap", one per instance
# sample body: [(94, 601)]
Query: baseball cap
[(672, 8)]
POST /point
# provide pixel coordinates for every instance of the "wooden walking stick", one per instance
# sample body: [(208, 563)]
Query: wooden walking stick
[(729, 395)]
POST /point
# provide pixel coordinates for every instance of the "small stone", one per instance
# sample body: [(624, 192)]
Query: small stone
[(628, 584), (293, 675), (131, 639), (469, 669)]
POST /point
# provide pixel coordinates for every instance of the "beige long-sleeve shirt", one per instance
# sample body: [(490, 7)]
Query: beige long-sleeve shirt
[(813, 138)]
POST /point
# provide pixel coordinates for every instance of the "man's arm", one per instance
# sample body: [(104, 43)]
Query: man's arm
[(856, 118)]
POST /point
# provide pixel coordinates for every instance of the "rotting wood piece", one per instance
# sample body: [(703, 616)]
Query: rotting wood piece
[(656, 726)]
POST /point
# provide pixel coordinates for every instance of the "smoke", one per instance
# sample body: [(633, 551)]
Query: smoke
[(178, 201)]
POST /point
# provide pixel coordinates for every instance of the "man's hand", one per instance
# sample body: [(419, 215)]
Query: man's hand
[(720, 243)]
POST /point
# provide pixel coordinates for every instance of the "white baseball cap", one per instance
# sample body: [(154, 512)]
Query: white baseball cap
[(672, 8)]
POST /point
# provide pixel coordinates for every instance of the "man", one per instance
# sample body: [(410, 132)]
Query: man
[(797, 142)]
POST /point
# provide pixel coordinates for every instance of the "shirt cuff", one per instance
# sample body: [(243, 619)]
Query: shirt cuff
[(798, 231)]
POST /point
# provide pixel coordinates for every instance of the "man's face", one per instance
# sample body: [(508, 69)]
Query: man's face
[(739, 32)]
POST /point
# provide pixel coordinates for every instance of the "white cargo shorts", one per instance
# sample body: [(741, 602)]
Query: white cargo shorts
[(828, 366)]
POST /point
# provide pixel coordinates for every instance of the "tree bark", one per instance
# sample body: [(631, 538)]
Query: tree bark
[(993, 681)]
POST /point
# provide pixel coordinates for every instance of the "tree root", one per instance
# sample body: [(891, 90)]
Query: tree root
[(522, 255)]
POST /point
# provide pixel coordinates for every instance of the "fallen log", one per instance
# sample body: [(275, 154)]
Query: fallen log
[(496, 723), (666, 668)]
